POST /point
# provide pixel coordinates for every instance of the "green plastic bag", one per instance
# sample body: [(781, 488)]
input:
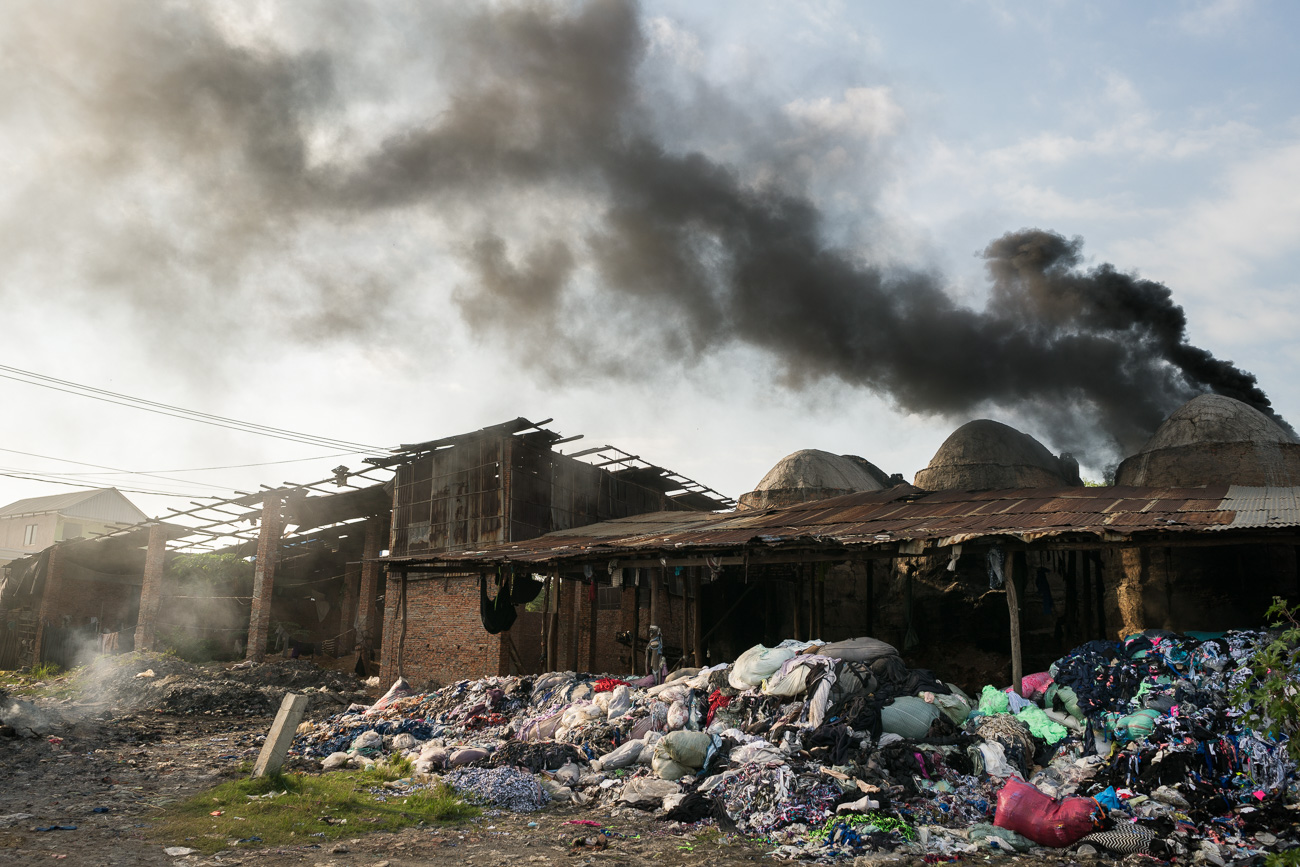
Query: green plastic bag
[(1137, 725), (1041, 725), (993, 700)]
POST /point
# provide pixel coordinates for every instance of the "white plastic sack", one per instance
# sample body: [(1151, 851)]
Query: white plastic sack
[(371, 740), (758, 751), (581, 714), (789, 681), (622, 757), (620, 702), (678, 716), (647, 789), (756, 665)]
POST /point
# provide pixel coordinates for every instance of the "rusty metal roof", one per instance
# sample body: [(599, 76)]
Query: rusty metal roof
[(904, 514)]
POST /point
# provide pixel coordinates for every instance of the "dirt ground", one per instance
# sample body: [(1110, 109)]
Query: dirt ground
[(111, 771)]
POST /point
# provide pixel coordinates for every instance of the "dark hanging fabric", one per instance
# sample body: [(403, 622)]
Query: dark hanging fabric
[(1044, 589), (497, 615), (524, 590)]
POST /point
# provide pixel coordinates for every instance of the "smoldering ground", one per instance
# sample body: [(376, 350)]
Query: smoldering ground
[(598, 210)]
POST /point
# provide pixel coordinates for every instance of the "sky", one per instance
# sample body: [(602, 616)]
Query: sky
[(708, 234)]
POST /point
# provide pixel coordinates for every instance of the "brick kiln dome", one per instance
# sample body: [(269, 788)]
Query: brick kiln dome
[(988, 455), (812, 474), (1213, 439)]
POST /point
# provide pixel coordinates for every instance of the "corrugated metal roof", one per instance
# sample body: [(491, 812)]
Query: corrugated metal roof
[(111, 505), (906, 514), (1262, 507)]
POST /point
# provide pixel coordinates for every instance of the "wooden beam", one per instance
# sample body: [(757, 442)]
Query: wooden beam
[(1013, 609), (696, 608)]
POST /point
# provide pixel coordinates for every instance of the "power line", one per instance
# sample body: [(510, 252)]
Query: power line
[(155, 473), (68, 387), (83, 484)]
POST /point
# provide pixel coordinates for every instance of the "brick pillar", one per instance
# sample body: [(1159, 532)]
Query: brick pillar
[(367, 624), (268, 552), (151, 588), (50, 599), (348, 610)]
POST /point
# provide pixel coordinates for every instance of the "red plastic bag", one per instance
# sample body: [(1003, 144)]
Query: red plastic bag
[(1034, 685), (1046, 821)]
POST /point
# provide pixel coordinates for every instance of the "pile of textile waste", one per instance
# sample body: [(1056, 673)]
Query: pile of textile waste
[(831, 751)]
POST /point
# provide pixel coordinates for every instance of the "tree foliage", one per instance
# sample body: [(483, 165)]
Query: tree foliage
[(1271, 695), (206, 571)]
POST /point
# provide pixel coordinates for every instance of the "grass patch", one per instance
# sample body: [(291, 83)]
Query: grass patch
[(54, 681), (312, 809)]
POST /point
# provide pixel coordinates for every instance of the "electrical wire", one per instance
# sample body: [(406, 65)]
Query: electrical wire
[(68, 387), (114, 471), (83, 484)]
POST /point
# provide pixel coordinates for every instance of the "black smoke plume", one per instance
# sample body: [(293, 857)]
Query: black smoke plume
[(552, 164)]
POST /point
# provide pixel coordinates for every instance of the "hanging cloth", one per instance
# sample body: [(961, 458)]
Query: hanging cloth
[(497, 615)]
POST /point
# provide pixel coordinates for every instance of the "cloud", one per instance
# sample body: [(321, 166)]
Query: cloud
[(1212, 17)]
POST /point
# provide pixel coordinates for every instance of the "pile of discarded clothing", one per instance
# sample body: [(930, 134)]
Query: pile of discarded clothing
[(828, 751)]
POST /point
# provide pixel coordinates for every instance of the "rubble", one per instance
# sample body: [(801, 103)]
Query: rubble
[(168, 684), (829, 752)]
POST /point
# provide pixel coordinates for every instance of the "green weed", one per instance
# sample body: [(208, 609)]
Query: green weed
[(311, 809)]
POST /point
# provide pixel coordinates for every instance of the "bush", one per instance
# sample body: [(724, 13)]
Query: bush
[(1271, 695)]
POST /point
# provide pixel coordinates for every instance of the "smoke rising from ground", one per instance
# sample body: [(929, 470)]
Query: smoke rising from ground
[(303, 174)]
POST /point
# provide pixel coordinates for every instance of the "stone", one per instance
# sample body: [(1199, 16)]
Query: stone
[(334, 761), (280, 738)]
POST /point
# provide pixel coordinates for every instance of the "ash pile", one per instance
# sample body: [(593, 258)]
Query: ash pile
[(167, 684), (831, 751)]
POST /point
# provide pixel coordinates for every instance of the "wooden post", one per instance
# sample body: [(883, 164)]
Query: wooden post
[(1088, 633), (1099, 587), (695, 619), (768, 628), (553, 616), (655, 611), (593, 622), (871, 597), (685, 627), (575, 599), (809, 579), (1072, 595), (1013, 608), (546, 623), (796, 591), (636, 625)]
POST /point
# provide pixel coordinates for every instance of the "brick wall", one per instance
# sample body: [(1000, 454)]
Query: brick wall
[(445, 639)]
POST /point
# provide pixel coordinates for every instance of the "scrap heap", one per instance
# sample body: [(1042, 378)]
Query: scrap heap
[(828, 751)]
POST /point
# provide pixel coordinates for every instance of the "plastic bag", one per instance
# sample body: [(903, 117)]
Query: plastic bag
[(680, 753), (1046, 821), (908, 716), (955, 707), (624, 756), (993, 701), (1040, 725), (1034, 685), (789, 681), (866, 650), (399, 689), (677, 716), (756, 665)]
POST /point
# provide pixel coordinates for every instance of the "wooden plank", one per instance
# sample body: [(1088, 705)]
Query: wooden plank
[(1013, 609)]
